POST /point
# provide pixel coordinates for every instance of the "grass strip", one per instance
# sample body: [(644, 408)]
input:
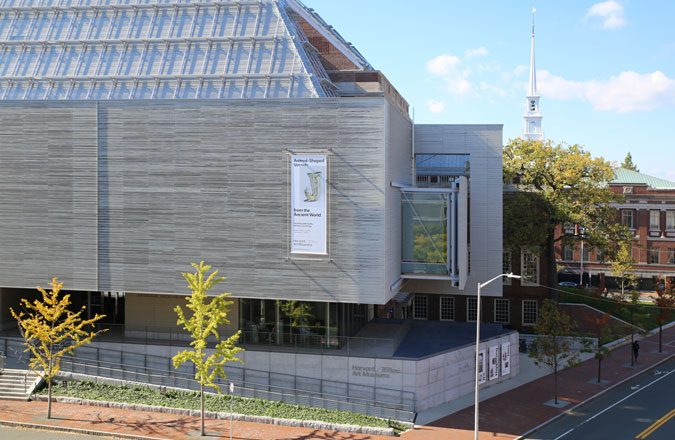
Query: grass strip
[(219, 403)]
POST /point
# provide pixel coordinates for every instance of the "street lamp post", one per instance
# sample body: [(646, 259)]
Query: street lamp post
[(508, 275)]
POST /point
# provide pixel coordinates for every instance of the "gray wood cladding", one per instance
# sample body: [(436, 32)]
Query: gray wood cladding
[(136, 190)]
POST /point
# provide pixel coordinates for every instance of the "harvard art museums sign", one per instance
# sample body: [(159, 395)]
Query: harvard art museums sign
[(308, 205)]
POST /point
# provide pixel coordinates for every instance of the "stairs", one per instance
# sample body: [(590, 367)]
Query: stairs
[(12, 384)]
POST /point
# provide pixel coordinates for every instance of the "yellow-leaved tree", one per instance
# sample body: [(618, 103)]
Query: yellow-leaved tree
[(204, 322), (51, 330)]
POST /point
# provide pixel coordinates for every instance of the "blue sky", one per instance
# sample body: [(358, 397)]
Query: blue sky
[(605, 70)]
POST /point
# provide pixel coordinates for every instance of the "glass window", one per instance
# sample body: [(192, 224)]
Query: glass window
[(447, 308), (502, 311), (529, 312), (654, 219), (600, 254), (421, 307), (471, 309), (671, 255), (424, 235), (670, 219), (587, 253), (569, 253), (653, 255), (506, 266), (627, 218), (529, 268)]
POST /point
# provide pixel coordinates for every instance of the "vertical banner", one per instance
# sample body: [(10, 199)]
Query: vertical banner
[(493, 369), (481, 366), (308, 204), (506, 358)]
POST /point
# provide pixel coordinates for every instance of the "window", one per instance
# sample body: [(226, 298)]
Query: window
[(587, 253), (654, 219), (671, 255), (421, 307), (506, 266), (600, 254), (502, 311), (529, 312), (627, 218), (471, 309), (447, 308), (529, 268), (569, 253), (670, 219), (653, 255)]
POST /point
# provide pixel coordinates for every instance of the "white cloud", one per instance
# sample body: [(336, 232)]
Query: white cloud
[(479, 51), (610, 13), (435, 106), (443, 64), (494, 90), (520, 69), (627, 92), (450, 69)]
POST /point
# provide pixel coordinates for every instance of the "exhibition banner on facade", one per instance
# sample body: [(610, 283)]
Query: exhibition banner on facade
[(308, 204), (506, 358), (481, 366), (493, 370)]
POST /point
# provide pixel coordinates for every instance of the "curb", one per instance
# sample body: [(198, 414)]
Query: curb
[(312, 424), (56, 428), (593, 397)]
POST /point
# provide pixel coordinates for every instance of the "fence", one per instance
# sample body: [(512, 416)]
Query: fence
[(159, 371)]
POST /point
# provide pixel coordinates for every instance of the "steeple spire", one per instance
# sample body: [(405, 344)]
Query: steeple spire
[(532, 129), (532, 90)]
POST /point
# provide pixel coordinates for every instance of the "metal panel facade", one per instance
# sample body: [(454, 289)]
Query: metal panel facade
[(182, 181)]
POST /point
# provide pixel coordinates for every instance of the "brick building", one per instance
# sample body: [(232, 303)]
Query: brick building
[(649, 211)]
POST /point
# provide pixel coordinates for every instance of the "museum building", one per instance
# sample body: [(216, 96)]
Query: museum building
[(137, 137)]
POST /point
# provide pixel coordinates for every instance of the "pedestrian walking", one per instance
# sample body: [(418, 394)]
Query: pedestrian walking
[(636, 349)]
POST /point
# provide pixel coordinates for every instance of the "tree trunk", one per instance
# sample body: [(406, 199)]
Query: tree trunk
[(555, 386), (201, 389), (552, 266), (49, 392)]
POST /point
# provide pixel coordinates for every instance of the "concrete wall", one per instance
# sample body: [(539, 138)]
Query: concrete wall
[(123, 195), (484, 145)]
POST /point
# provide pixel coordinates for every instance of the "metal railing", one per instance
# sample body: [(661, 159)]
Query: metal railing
[(159, 371), (184, 380), (299, 339)]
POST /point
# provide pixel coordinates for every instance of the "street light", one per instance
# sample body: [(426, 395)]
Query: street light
[(508, 275)]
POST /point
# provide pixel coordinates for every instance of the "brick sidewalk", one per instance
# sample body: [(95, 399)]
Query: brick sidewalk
[(158, 425), (503, 417)]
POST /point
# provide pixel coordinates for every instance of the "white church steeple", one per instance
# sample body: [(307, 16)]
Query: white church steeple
[(532, 129)]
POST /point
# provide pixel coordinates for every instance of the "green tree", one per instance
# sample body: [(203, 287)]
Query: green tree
[(552, 348), (628, 163), (566, 186), (206, 317), (622, 263), (297, 312), (602, 331), (50, 330)]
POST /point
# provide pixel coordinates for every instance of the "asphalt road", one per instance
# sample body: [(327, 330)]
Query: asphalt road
[(643, 408)]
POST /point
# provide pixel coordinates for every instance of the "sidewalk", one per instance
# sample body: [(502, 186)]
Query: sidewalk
[(504, 416)]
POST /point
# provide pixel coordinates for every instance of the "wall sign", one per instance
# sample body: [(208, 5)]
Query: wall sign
[(481, 367), (308, 204), (493, 368), (506, 358)]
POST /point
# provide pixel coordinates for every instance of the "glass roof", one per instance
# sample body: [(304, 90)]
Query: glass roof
[(155, 49)]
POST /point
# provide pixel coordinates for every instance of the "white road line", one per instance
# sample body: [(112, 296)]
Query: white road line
[(615, 404)]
